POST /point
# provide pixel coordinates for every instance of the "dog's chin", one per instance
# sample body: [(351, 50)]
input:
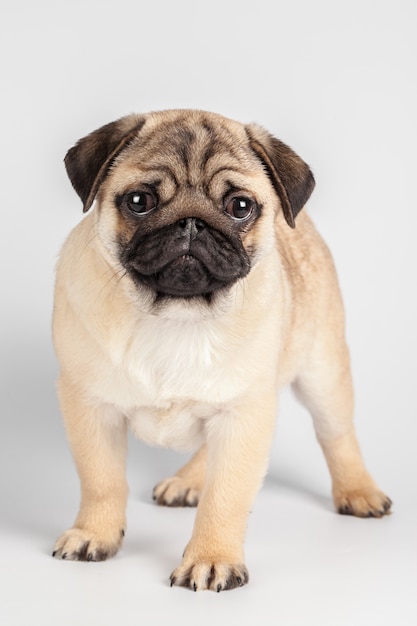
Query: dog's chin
[(184, 289)]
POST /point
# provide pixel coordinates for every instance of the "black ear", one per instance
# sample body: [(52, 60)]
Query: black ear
[(291, 178), (88, 162)]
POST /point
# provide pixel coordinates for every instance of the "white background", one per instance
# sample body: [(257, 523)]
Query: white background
[(336, 81)]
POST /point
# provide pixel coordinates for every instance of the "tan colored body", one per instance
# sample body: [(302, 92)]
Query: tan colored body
[(190, 378)]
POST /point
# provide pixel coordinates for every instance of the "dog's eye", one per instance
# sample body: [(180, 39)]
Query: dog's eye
[(140, 202), (239, 207)]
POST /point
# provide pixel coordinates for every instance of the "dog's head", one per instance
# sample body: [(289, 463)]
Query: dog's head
[(187, 200)]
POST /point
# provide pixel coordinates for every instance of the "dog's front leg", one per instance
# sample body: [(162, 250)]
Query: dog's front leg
[(98, 442), (238, 444)]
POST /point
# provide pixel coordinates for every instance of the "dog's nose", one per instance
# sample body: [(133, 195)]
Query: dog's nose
[(191, 227)]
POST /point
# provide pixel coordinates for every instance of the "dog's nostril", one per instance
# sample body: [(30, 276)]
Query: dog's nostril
[(194, 224), (199, 224)]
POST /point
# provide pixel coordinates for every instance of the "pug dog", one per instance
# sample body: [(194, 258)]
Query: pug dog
[(193, 292)]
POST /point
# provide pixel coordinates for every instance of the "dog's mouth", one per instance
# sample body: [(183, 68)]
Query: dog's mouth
[(184, 277), (177, 265)]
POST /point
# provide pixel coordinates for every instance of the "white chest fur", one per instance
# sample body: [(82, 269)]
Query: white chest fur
[(168, 376)]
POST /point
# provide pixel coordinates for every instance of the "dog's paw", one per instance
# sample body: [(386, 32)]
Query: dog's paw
[(208, 575), (82, 545), (176, 491), (367, 502)]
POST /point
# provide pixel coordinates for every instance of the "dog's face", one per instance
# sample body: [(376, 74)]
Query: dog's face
[(187, 200)]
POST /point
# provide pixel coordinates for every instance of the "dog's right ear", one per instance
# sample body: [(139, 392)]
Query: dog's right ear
[(88, 162)]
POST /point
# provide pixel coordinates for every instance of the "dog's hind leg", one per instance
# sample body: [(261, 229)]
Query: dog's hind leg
[(184, 488), (325, 388)]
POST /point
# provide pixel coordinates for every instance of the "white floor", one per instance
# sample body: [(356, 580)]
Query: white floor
[(307, 565)]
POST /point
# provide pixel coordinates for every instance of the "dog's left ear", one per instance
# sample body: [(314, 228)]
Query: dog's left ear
[(291, 177), (88, 162)]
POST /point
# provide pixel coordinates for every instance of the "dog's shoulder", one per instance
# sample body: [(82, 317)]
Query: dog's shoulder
[(305, 255)]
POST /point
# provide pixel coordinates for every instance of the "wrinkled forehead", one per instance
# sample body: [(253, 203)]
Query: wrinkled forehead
[(190, 146)]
